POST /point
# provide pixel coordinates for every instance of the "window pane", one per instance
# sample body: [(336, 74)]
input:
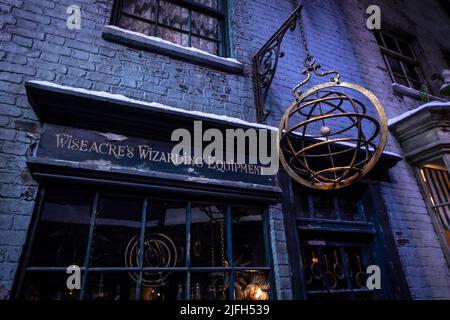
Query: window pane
[(110, 286), (410, 71), (436, 179), (136, 25), (349, 209), (405, 49), (208, 3), (401, 80), (204, 25), (209, 286), (395, 65), (312, 268), (171, 289), (117, 231), (174, 22), (173, 15), (390, 43), (176, 37), (205, 45), (48, 286), (418, 85), (122, 286), (324, 268), (251, 285), (208, 236), (142, 8), (301, 201), (357, 267), (165, 237), (248, 237), (324, 207), (63, 229), (333, 268)]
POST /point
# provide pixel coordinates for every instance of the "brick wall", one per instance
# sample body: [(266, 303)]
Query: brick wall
[(36, 44), (425, 267)]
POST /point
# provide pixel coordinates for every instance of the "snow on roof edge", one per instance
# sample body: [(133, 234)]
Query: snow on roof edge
[(410, 113), (119, 97)]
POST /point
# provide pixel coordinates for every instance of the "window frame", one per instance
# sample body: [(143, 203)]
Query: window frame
[(220, 14), (402, 59), (375, 232), (431, 208), (187, 269), (333, 234)]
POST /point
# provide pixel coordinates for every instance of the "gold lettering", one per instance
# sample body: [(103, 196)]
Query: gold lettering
[(145, 152), (93, 147), (75, 144), (121, 151), (112, 150), (155, 154), (101, 148), (84, 145), (130, 152), (62, 140)]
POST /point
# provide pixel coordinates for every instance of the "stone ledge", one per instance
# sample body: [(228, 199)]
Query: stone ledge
[(158, 45), (413, 93)]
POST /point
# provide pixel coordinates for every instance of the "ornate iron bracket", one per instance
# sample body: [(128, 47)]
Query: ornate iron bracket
[(266, 61)]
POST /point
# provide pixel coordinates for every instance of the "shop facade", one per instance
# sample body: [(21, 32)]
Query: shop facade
[(90, 180)]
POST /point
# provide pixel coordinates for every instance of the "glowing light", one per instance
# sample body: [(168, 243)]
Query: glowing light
[(423, 175), (258, 294), (432, 201)]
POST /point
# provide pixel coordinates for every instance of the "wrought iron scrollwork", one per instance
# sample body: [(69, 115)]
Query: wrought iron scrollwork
[(266, 62), (313, 67)]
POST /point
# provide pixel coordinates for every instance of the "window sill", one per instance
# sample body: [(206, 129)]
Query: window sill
[(158, 45), (413, 93)]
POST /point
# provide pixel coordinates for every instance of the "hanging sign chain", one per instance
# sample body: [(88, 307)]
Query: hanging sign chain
[(302, 33), (311, 65)]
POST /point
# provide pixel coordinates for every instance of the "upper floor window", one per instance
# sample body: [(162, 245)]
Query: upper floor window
[(400, 60), (189, 23)]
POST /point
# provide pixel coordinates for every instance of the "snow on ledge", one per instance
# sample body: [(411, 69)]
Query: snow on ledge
[(162, 107), (423, 107), (193, 50), (122, 98)]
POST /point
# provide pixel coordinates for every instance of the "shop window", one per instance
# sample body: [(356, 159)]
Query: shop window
[(436, 181), (137, 247), (336, 240), (400, 60), (194, 23), (337, 269)]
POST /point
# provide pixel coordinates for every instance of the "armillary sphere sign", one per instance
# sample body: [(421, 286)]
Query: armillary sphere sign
[(344, 153), (334, 133)]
